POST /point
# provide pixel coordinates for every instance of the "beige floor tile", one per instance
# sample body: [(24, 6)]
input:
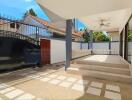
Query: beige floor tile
[(71, 79), (65, 84), (55, 81), (112, 95), (26, 96), (94, 91), (7, 90), (113, 88), (46, 79), (78, 87), (14, 93), (61, 77), (96, 84)]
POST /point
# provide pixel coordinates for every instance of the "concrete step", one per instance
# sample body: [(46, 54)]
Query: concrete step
[(125, 66), (102, 69), (101, 75)]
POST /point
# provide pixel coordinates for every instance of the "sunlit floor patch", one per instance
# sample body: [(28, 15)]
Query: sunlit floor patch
[(94, 91), (26, 96), (113, 88), (14, 93), (96, 84), (46, 79), (55, 81), (1, 98), (53, 76), (78, 87), (83, 82), (65, 84), (112, 95), (2, 86), (61, 77), (71, 79), (7, 90)]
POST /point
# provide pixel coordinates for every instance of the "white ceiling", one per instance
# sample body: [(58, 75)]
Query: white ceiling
[(89, 11), (79, 8), (114, 18)]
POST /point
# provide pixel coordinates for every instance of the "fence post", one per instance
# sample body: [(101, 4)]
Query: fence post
[(109, 47), (88, 45)]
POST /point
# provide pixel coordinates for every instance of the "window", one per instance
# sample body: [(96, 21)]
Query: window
[(17, 26), (12, 25)]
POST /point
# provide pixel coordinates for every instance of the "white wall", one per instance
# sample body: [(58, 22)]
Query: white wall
[(84, 45), (76, 46), (115, 48), (101, 48), (8, 28), (58, 51), (130, 51)]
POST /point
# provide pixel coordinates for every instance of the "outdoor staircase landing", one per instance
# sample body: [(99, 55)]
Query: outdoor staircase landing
[(101, 70)]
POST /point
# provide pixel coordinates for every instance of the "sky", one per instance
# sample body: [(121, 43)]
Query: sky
[(17, 8)]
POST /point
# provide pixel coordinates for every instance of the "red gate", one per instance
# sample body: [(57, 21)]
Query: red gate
[(45, 51)]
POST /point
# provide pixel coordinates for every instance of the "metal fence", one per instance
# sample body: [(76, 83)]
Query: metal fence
[(14, 27)]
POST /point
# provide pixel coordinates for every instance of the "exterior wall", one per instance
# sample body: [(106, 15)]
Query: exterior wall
[(58, 51), (76, 46), (115, 36), (101, 48), (130, 52), (8, 28), (31, 30), (115, 48)]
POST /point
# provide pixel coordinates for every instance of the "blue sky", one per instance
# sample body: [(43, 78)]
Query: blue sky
[(17, 8)]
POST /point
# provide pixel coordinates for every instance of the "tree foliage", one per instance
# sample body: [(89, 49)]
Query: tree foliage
[(100, 36), (31, 12), (97, 36), (130, 35)]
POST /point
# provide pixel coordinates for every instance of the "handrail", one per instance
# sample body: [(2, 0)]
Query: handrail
[(19, 36)]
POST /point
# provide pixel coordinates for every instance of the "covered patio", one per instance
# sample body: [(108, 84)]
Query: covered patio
[(76, 70)]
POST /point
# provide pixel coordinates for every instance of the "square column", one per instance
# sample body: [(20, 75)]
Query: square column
[(68, 42)]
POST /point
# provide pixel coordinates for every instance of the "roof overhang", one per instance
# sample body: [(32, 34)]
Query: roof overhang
[(81, 9), (69, 9)]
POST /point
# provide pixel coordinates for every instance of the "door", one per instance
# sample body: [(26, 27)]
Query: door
[(45, 51)]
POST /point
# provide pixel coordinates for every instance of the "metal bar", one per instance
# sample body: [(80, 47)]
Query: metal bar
[(126, 43), (68, 42), (121, 44), (109, 47)]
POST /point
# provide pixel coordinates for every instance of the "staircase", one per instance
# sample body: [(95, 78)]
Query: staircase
[(16, 62), (10, 64), (5, 33), (101, 70)]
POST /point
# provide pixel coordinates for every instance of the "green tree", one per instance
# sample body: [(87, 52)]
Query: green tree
[(31, 12), (130, 35), (100, 36), (97, 36)]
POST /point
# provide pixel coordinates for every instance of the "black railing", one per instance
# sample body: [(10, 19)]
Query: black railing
[(23, 30)]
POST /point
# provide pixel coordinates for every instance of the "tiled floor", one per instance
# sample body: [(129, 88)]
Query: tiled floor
[(62, 84), (12, 93), (94, 88)]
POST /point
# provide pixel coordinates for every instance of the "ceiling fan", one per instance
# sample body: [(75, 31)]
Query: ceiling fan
[(104, 22)]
